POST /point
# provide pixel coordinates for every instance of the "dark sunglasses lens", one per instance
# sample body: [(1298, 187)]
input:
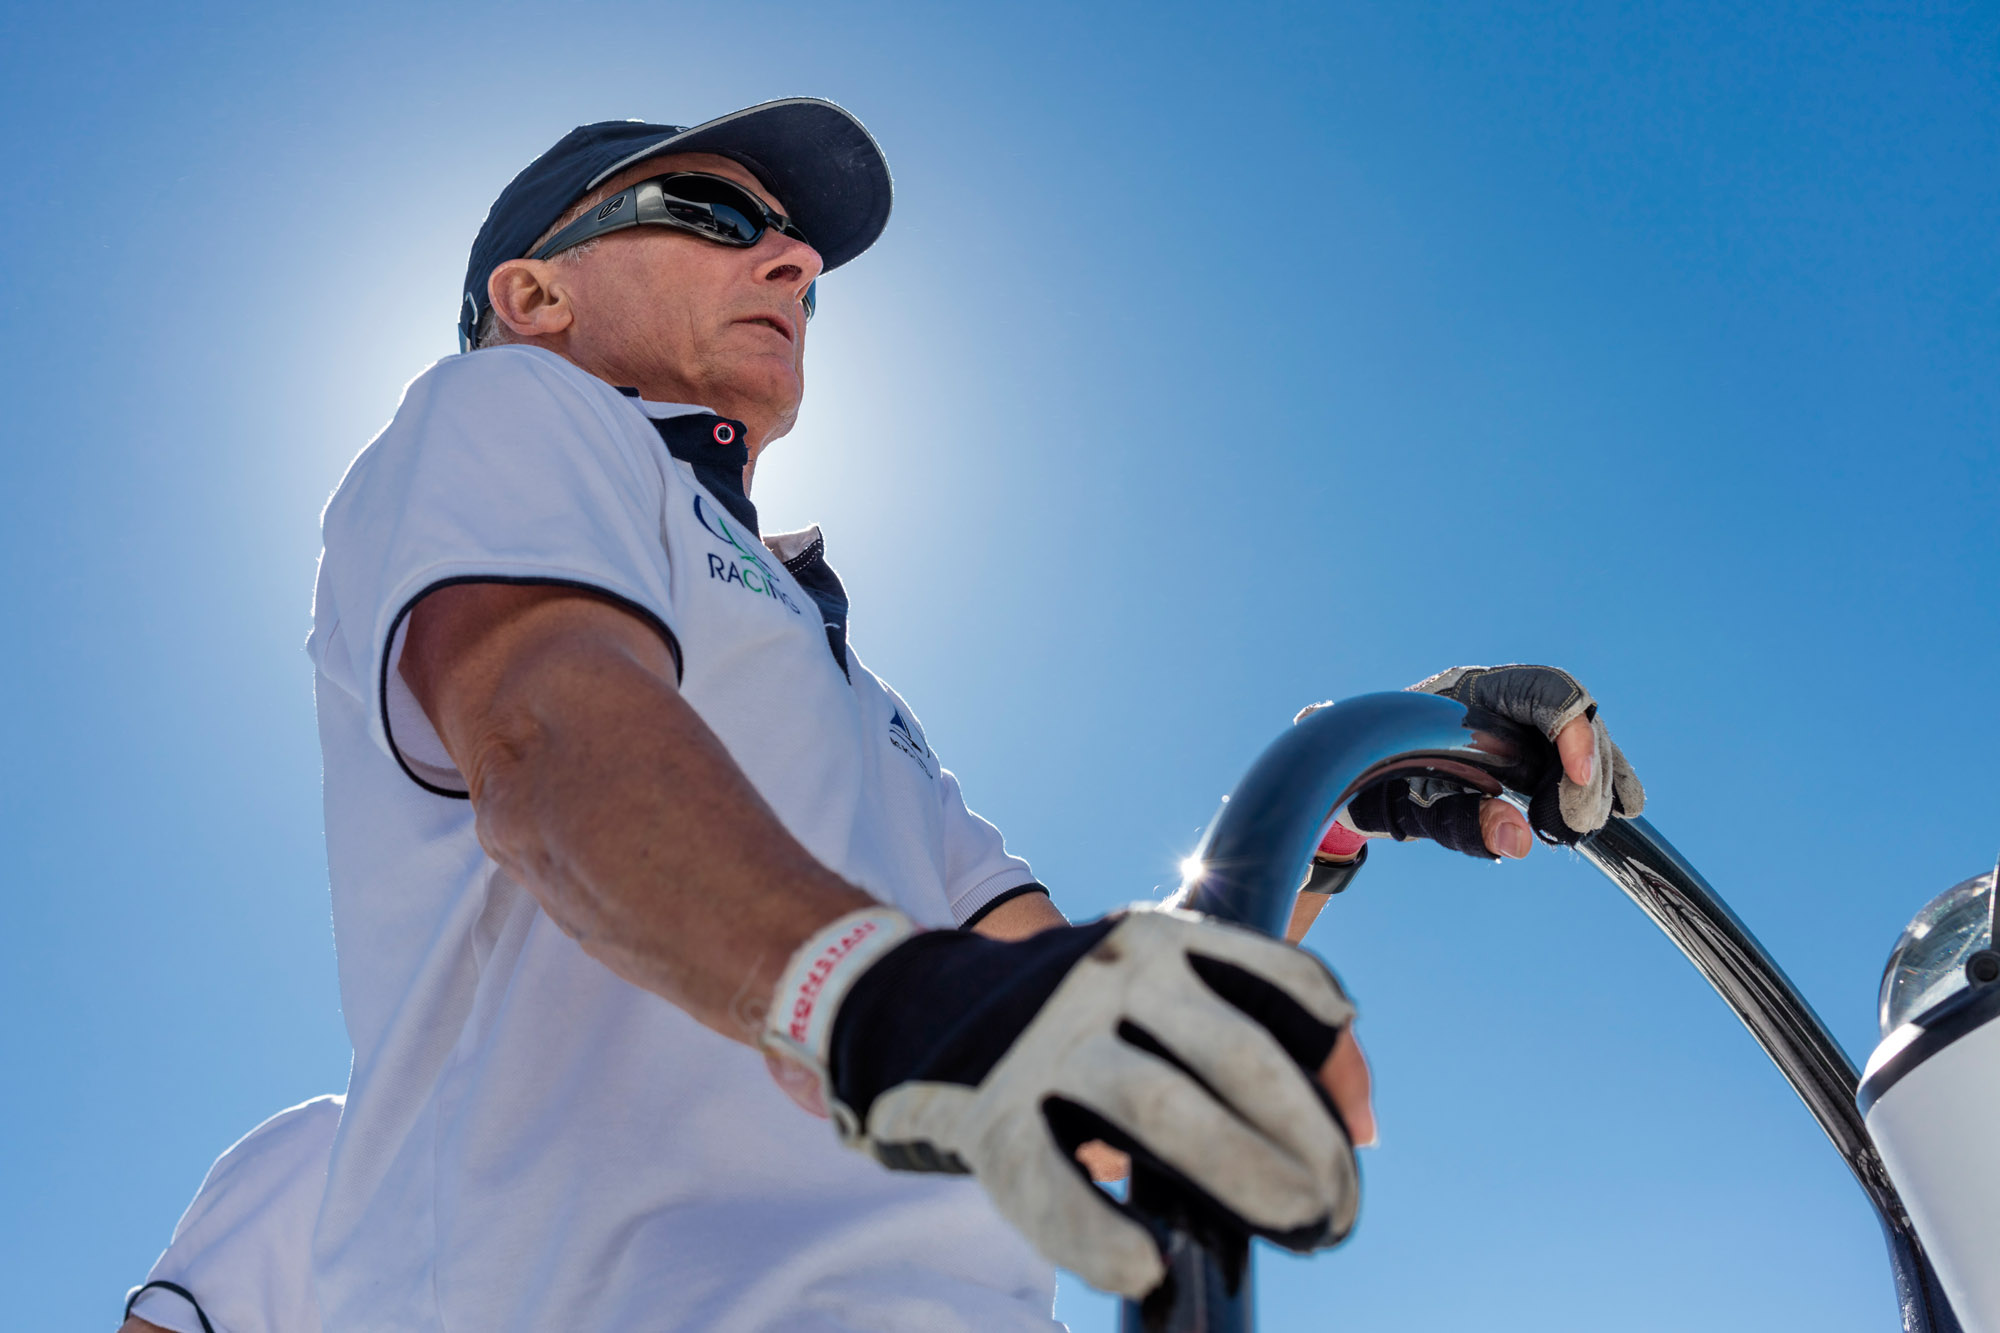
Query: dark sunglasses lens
[(725, 211), (732, 222), (719, 221), (811, 299)]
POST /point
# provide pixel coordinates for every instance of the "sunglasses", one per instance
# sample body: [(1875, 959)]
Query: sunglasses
[(714, 208)]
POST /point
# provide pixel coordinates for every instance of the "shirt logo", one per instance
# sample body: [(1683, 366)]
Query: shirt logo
[(909, 738), (746, 568)]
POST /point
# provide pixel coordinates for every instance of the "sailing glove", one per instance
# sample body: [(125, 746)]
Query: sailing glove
[(1187, 1042), (1541, 701)]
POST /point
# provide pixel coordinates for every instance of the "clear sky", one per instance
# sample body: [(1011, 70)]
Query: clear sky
[(1216, 359)]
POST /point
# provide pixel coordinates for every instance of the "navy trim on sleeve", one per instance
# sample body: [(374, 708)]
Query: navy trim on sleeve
[(382, 697), (1019, 890), (178, 1290)]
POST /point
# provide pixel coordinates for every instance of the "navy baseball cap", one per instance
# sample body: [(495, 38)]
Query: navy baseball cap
[(825, 168)]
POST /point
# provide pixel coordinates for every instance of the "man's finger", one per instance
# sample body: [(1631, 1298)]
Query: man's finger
[(1345, 1078), (1504, 830), (1104, 1162), (1577, 744)]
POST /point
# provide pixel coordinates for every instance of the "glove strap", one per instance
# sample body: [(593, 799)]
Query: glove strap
[(825, 967), (1343, 841)]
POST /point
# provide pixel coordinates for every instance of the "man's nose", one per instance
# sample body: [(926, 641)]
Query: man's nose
[(789, 262)]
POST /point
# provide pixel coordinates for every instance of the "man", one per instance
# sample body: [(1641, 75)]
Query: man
[(629, 851)]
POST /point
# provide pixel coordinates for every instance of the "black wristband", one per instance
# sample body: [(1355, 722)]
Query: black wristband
[(1330, 877)]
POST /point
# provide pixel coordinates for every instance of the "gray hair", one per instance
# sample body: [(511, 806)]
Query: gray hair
[(492, 332)]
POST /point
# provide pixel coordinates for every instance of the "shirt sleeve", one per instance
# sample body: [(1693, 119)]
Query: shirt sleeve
[(501, 466), (243, 1249), (978, 868)]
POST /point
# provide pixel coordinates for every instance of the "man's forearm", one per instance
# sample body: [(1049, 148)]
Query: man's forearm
[(606, 795)]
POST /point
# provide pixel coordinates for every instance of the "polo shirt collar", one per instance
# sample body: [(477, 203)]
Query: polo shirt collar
[(710, 444), (691, 435), (804, 557)]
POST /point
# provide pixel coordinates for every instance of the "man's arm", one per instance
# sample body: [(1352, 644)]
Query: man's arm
[(1018, 918), (598, 788)]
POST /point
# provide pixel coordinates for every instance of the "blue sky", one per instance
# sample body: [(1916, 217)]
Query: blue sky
[(1214, 361)]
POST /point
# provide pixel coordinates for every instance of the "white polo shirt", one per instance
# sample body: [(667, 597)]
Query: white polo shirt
[(529, 1142), (243, 1247)]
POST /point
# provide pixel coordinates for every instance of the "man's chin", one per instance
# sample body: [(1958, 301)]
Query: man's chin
[(762, 394)]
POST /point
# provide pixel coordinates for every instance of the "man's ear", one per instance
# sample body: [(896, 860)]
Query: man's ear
[(530, 299)]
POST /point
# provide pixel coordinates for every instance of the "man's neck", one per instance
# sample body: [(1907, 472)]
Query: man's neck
[(758, 427)]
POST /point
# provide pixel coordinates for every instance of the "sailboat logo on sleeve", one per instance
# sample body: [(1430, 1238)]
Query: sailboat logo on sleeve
[(909, 738)]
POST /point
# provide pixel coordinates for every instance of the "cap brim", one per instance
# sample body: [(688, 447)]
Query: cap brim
[(827, 171)]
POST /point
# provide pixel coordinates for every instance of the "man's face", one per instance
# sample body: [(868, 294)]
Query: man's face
[(684, 319)]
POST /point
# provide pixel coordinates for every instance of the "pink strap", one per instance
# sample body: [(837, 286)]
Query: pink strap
[(1342, 843)]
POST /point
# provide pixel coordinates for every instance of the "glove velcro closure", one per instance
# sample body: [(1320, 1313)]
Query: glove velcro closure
[(806, 1001)]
